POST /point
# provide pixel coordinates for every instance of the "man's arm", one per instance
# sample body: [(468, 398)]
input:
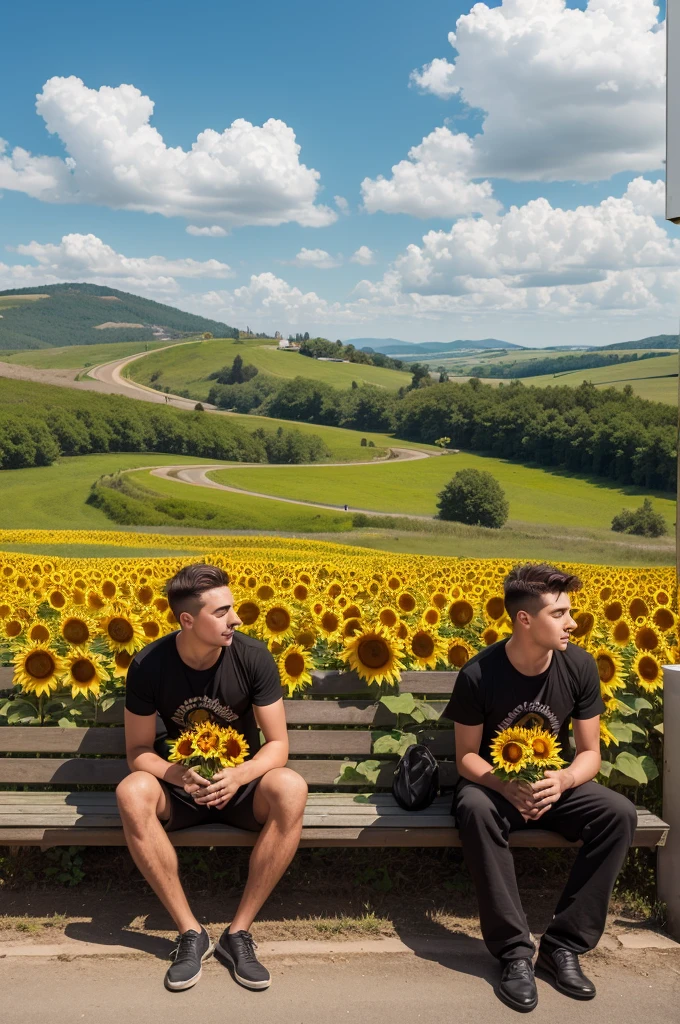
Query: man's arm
[(140, 733), (272, 754), (583, 768), (475, 769)]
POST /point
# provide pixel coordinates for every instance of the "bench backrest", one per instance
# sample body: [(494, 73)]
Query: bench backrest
[(336, 721)]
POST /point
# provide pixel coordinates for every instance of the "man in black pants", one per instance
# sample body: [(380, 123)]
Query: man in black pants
[(537, 678), (208, 672)]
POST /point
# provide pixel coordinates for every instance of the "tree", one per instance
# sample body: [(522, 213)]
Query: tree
[(305, 336), (199, 407), (420, 372), (207, 336), (643, 521), (475, 497)]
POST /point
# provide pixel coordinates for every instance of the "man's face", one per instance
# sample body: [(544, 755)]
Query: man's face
[(551, 625), (214, 623)]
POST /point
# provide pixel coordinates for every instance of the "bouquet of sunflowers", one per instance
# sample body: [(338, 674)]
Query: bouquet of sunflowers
[(208, 749), (524, 754)]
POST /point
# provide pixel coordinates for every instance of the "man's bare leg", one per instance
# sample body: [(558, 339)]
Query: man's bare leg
[(142, 802), (279, 802)]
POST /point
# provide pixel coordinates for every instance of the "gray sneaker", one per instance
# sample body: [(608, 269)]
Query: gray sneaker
[(188, 956), (238, 949)]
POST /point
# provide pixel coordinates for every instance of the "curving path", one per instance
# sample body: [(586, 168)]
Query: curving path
[(112, 375), (197, 476)]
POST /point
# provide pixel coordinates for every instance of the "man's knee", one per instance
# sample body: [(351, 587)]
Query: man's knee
[(620, 811), (475, 807), (284, 790), (138, 793)]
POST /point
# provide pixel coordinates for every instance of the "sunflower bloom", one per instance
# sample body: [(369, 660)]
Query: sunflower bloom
[(123, 631), (610, 668), (426, 648), (649, 671), (37, 669), (511, 749), (84, 673), (182, 748), (233, 748), (546, 749), (295, 666), (375, 655)]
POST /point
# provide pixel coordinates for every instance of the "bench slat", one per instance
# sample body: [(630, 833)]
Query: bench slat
[(104, 772)]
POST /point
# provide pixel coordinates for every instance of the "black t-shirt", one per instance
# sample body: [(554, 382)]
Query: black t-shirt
[(489, 691), (245, 674)]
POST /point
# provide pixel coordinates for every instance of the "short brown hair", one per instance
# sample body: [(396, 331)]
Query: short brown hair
[(525, 585), (184, 590)]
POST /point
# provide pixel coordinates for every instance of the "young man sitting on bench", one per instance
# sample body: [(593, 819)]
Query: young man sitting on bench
[(537, 678), (207, 671)]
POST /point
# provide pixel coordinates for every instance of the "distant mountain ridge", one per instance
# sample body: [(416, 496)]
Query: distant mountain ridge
[(392, 346), (656, 341), (73, 312)]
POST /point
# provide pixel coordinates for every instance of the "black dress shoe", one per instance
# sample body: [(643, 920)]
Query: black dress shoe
[(518, 986), (563, 967)]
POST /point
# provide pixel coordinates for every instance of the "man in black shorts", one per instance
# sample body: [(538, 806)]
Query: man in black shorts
[(208, 672), (537, 679)]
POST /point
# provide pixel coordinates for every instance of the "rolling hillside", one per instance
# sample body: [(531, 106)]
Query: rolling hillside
[(187, 367), (75, 314)]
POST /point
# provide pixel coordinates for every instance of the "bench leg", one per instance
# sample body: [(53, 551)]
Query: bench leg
[(669, 855)]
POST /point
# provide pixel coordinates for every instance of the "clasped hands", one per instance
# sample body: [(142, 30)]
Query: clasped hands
[(533, 799), (215, 792)]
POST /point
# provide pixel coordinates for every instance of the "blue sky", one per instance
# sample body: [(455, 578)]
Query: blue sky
[(505, 118)]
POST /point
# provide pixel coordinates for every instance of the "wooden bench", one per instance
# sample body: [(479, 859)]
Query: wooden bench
[(57, 784)]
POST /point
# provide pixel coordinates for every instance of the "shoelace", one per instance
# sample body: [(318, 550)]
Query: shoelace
[(520, 967), (249, 947), (184, 947), (565, 958)]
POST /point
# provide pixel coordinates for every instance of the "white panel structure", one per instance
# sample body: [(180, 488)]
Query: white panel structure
[(673, 111)]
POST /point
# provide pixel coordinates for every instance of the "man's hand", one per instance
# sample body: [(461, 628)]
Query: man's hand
[(547, 791), (520, 795), (186, 777), (219, 792)]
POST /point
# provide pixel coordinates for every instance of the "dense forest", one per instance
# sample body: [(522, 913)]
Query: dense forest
[(555, 364), (40, 422), (322, 348), (588, 430), (72, 312)]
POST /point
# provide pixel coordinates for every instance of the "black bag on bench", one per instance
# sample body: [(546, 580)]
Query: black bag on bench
[(416, 778)]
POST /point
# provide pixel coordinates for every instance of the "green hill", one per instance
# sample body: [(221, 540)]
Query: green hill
[(73, 314), (187, 368), (657, 341)]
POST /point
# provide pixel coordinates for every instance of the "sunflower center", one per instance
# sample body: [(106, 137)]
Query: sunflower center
[(109, 588), (513, 752), (621, 633), (75, 631), (431, 616), (300, 592), (638, 609), (422, 645), (295, 664), (663, 619), (248, 612), (613, 611), (495, 607), (151, 629), (330, 621), (584, 623), (57, 599), (278, 620), (232, 748), (646, 639), (122, 659), (145, 595), (120, 630), (373, 652), (541, 748), (461, 613), (648, 669), (39, 664), (265, 592), (606, 668), (13, 628), (406, 602), (351, 627), (185, 748), (40, 633), (83, 671), (458, 655), (207, 742), (388, 617)]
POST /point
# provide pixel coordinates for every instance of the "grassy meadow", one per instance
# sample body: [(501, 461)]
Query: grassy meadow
[(188, 367), (76, 357), (536, 495)]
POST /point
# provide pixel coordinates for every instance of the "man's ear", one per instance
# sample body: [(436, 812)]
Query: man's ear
[(523, 618), (186, 620)]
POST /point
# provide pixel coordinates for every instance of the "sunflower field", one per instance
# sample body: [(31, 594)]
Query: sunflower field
[(70, 627)]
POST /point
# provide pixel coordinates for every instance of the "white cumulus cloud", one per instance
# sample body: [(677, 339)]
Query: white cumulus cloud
[(87, 258), (341, 204), (566, 93), (268, 300), (435, 181), (247, 174), (318, 258), (213, 231), (364, 256)]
